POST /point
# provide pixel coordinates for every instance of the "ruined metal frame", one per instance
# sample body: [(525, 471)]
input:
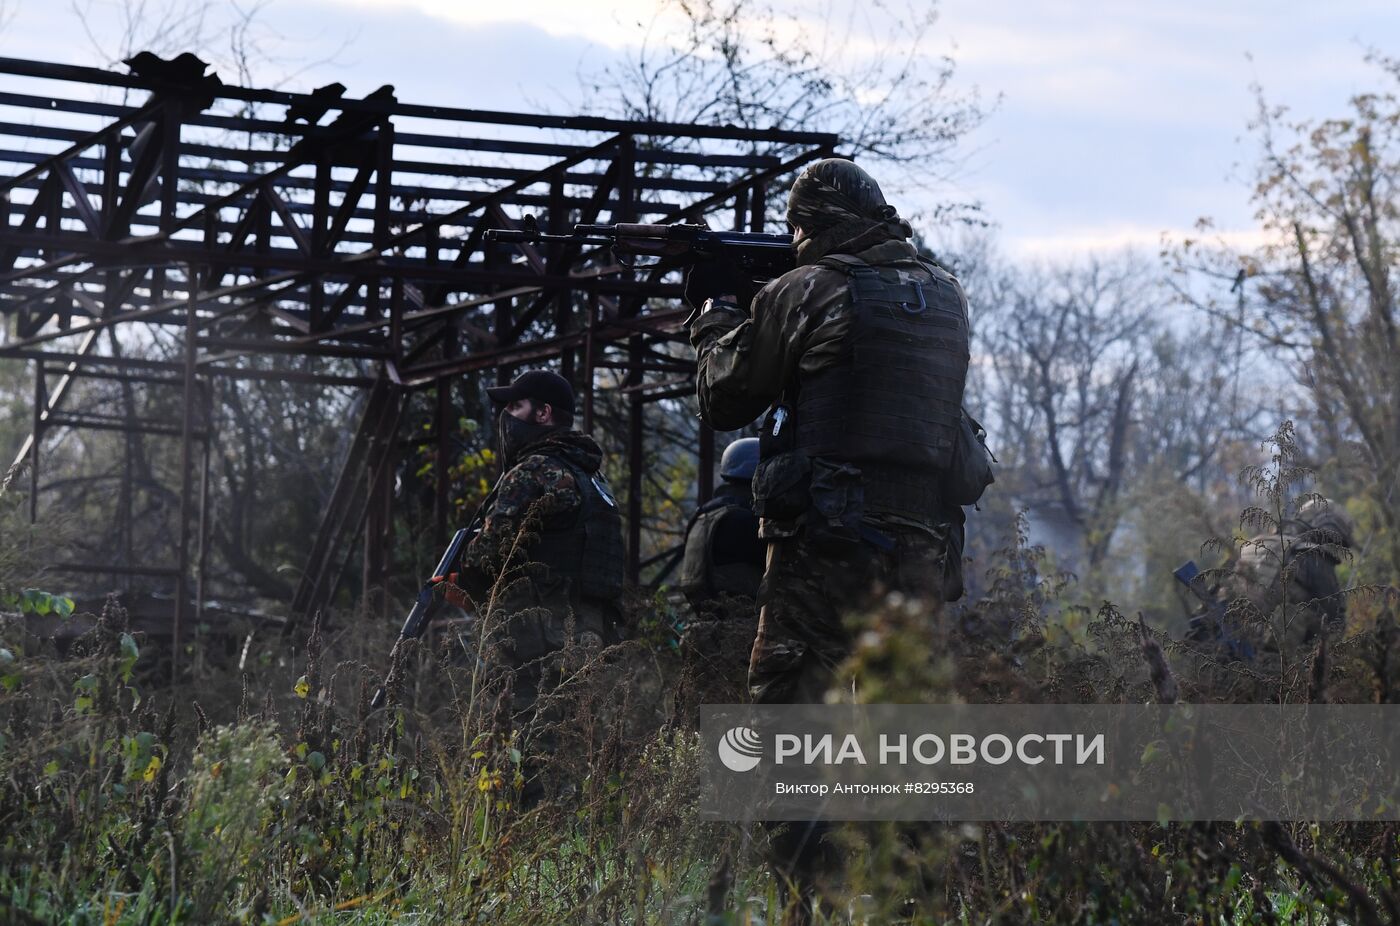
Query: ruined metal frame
[(356, 241)]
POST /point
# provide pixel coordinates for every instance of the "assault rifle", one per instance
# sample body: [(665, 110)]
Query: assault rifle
[(761, 256), (425, 608), (1212, 625)]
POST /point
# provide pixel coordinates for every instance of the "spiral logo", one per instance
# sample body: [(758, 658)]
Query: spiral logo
[(740, 749)]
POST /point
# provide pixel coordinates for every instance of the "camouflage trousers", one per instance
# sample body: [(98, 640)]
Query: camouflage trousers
[(714, 656), (811, 603), (532, 644), (533, 637)]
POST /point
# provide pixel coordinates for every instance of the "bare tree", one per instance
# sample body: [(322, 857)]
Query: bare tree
[(863, 72), (1320, 293), (1065, 353), (1097, 400)]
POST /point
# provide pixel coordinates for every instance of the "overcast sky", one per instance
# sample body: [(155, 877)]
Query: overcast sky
[(1118, 121)]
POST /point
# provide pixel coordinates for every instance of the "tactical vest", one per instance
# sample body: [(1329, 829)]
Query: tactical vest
[(586, 546), (699, 576), (891, 404)]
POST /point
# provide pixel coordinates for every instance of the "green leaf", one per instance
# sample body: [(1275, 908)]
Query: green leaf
[(51, 769), (43, 603), (86, 683), (302, 687), (316, 761), (129, 647), (6, 657), (63, 607), (82, 703), (1151, 752)]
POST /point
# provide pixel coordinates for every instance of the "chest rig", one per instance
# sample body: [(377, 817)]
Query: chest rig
[(891, 404), (702, 572), (586, 545)]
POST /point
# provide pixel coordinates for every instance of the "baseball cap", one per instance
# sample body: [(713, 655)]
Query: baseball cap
[(539, 386)]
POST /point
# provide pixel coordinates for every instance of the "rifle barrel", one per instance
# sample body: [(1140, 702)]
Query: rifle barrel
[(512, 236)]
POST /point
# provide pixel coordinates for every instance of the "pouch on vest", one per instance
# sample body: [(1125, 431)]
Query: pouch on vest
[(781, 486), (838, 503), (970, 470)]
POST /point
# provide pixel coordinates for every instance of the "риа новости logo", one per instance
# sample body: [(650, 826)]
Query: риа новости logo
[(740, 749)]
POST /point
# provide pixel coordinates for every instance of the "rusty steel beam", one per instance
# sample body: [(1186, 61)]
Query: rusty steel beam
[(275, 235), (53, 400), (86, 75)]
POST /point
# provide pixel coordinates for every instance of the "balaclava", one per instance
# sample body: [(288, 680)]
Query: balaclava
[(517, 434), (839, 206)]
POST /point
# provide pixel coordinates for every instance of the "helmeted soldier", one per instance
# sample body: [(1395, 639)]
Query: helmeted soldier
[(1294, 566), (719, 576), (548, 557), (723, 553), (859, 356)]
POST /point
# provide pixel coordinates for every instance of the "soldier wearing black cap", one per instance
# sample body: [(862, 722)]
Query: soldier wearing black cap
[(549, 552)]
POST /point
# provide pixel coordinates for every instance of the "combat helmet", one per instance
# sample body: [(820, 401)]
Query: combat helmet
[(1327, 522), (739, 461)]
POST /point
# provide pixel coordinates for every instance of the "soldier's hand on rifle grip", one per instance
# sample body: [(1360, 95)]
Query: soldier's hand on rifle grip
[(715, 278), (447, 589)]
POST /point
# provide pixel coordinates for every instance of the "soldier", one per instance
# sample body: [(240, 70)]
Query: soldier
[(549, 556), (719, 577), (859, 355), (1296, 565), (723, 553)]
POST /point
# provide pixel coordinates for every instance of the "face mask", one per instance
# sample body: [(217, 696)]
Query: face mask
[(516, 434)]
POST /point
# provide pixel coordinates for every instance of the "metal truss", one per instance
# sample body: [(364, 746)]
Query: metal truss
[(231, 219)]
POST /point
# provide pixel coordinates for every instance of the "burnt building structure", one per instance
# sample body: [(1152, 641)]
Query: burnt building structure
[(262, 227)]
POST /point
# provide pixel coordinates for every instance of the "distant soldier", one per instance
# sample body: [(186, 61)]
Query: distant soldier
[(723, 555), (719, 577), (1296, 566), (549, 553)]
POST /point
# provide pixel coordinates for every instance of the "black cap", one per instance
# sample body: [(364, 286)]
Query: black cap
[(539, 386)]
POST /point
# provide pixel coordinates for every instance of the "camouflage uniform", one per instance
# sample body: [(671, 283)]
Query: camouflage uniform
[(531, 599), (723, 552), (838, 535), (719, 576), (798, 329), (1296, 568)]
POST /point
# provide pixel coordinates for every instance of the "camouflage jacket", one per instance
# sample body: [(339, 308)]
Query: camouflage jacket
[(797, 327), (1272, 570), (540, 486)]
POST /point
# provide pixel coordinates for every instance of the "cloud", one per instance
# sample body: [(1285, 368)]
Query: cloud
[(1111, 238), (614, 24)]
